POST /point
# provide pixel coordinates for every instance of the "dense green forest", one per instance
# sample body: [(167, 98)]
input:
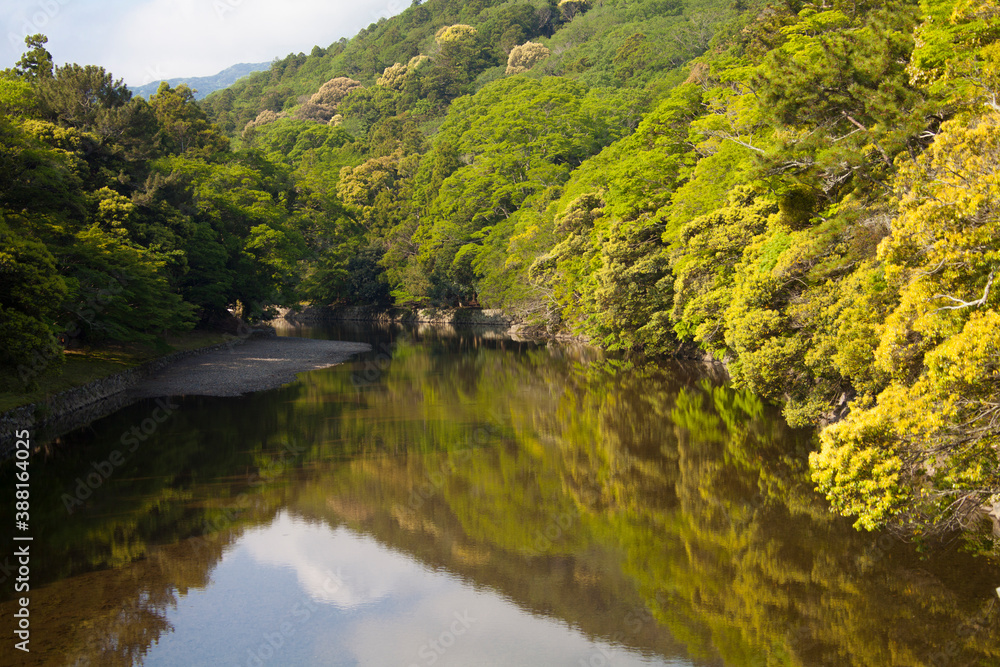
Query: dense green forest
[(806, 190)]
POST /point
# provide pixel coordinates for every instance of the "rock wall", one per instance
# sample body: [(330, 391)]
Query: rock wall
[(463, 316), (514, 328)]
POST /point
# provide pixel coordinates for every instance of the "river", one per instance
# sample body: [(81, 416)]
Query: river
[(460, 498)]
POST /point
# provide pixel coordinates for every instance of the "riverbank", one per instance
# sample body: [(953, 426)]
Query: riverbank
[(95, 385), (256, 366), (453, 316), (508, 324), (254, 361)]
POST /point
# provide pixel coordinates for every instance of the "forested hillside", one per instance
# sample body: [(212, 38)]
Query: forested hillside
[(804, 189)]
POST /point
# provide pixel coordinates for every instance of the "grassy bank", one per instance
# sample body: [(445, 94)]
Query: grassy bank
[(88, 364)]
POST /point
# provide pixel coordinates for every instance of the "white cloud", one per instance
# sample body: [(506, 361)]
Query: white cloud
[(432, 617), (332, 566), (173, 38)]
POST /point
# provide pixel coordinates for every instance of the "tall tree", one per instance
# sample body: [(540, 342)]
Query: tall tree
[(36, 63)]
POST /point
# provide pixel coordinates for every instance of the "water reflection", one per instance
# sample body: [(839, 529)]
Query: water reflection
[(582, 509), (300, 593)]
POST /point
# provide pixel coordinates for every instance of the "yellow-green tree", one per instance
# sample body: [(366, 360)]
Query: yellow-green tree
[(925, 451)]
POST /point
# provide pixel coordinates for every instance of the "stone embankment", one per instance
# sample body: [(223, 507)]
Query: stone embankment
[(448, 317), (452, 316)]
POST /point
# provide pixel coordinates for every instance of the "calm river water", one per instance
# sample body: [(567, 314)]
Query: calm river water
[(464, 499)]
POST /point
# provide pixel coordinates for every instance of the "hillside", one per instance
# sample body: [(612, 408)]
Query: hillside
[(203, 85), (806, 192), (607, 46)]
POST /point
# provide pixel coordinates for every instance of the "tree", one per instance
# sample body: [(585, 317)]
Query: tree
[(183, 126), (263, 118), (957, 56), (249, 237), (705, 259), (31, 291), (119, 290), (571, 8), (632, 57), (922, 455), (333, 92), (840, 93), (36, 63), (81, 96), (507, 149), (524, 57), (393, 76), (460, 57)]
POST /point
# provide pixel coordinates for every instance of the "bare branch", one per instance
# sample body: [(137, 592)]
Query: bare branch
[(967, 304), (726, 135)]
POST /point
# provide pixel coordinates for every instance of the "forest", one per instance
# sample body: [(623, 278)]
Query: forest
[(805, 190)]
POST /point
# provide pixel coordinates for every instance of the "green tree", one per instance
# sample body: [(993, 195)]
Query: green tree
[(36, 63), (81, 96), (840, 92), (31, 291), (183, 125)]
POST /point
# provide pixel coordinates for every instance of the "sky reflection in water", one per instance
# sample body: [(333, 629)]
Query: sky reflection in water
[(302, 593)]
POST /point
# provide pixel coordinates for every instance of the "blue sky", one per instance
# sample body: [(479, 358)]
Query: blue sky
[(148, 40)]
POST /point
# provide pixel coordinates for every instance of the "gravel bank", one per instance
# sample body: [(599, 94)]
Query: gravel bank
[(254, 366)]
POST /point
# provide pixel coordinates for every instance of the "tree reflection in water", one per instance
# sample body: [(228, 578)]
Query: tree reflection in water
[(646, 505)]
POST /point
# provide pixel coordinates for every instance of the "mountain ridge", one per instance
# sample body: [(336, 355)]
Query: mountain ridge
[(203, 85)]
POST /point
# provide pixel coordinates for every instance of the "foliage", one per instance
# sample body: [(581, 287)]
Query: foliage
[(333, 91), (938, 344), (124, 220), (525, 56), (30, 288), (803, 191), (500, 154), (36, 63)]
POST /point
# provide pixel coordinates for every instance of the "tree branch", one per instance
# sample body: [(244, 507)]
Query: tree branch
[(966, 304), (726, 135), (885, 156)]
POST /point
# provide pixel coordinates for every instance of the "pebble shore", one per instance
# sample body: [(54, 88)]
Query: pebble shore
[(257, 365)]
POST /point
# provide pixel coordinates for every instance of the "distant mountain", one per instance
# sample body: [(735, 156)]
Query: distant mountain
[(203, 85)]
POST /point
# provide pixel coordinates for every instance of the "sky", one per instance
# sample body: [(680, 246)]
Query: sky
[(142, 41)]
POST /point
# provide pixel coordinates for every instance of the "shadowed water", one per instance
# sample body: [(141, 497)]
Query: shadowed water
[(459, 498)]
